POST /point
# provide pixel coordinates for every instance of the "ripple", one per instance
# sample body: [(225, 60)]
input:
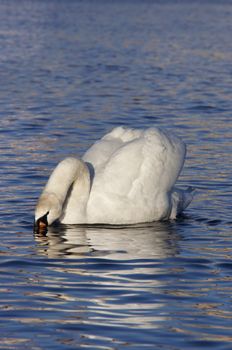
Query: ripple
[(90, 66)]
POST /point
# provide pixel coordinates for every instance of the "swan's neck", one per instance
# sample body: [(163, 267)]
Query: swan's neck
[(70, 182)]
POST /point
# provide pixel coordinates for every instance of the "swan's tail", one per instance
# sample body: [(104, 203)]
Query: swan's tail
[(180, 200)]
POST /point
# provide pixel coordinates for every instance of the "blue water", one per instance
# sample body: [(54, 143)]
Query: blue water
[(70, 71)]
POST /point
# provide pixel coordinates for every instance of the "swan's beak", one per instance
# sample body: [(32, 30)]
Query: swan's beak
[(42, 223)]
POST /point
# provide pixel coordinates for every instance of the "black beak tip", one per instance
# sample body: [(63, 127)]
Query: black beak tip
[(40, 226)]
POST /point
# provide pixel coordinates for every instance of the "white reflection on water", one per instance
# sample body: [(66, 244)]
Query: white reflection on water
[(114, 272), (110, 242)]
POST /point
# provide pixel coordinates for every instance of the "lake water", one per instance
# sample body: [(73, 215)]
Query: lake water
[(70, 71)]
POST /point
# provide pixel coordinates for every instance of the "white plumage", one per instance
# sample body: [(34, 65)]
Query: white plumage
[(126, 177)]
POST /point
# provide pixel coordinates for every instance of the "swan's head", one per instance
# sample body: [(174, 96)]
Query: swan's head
[(48, 210)]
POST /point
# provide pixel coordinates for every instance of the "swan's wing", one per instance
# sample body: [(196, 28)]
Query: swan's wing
[(143, 166), (167, 154), (102, 150), (133, 184)]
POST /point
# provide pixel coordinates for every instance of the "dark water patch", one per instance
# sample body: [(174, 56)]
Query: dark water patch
[(225, 265), (214, 222)]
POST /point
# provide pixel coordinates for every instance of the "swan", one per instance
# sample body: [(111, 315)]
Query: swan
[(126, 177)]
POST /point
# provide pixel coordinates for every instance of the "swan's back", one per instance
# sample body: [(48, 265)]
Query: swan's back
[(102, 150), (134, 172)]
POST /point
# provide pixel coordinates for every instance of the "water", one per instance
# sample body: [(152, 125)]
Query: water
[(70, 71)]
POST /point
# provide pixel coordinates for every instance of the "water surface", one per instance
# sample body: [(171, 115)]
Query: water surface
[(70, 71)]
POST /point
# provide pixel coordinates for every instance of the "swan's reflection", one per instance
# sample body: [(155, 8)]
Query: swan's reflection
[(116, 276), (121, 243)]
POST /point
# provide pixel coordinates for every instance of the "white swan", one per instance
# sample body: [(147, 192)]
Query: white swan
[(126, 177)]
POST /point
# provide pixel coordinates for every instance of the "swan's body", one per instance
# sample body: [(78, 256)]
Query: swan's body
[(126, 177)]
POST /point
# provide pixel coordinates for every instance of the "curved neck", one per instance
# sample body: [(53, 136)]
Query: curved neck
[(65, 175)]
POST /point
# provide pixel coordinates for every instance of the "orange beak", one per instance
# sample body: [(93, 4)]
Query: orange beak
[(42, 223)]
